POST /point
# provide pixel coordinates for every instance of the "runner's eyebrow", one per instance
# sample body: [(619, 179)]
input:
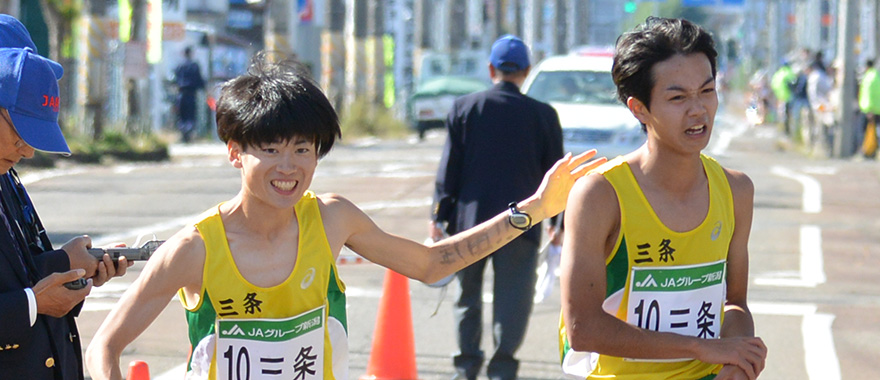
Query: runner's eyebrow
[(676, 87)]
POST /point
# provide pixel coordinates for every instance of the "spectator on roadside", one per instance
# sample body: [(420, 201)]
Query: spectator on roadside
[(38, 334), (819, 86), (800, 102), (869, 103), (499, 142), (189, 81), (781, 83)]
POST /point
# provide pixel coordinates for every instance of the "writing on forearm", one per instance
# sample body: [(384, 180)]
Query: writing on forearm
[(478, 244)]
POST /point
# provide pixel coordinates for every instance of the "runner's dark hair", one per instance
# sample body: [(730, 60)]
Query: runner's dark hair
[(652, 42), (276, 100)]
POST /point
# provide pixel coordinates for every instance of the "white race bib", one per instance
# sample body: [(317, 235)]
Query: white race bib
[(290, 348), (686, 300)]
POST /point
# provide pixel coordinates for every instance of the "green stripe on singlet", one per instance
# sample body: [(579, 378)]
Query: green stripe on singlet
[(617, 270), (201, 323)]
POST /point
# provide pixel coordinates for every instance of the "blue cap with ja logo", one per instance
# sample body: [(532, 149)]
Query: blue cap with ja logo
[(29, 92)]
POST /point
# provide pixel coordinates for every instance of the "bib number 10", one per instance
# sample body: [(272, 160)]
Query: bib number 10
[(236, 363), (648, 316)]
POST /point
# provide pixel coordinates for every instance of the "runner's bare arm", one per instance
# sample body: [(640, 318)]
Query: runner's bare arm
[(738, 320), (176, 264), (591, 228), (431, 263)]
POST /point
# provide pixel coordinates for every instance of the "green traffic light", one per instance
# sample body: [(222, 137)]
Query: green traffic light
[(629, 7)]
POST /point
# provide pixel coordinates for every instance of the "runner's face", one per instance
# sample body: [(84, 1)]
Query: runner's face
[(683, 104), (277, 173), (12, 147)]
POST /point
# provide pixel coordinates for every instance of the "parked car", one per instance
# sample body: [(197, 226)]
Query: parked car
[(580, 88), (433, 99)]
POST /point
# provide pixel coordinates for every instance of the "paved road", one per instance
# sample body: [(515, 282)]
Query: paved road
[(815, 248)]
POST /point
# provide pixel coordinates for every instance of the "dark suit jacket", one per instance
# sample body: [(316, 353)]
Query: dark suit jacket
[(499, 146), (25, 350)]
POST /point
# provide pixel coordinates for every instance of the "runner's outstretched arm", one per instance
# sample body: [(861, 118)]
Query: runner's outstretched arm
[(440, 259)]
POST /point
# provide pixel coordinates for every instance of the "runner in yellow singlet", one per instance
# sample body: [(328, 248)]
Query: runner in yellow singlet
[(655, 253), (256, 273)]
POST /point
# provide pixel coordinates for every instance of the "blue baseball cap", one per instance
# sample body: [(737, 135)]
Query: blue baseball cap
[(13, 34), (509, 54), (29, 92)]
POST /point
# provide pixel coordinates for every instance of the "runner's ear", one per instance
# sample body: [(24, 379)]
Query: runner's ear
[(233, 151)]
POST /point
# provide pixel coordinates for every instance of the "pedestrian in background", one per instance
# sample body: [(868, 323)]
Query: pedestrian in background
[(869, 104), (781, 83), (188, 77), (499, 143), (819, 86), (38, 334)]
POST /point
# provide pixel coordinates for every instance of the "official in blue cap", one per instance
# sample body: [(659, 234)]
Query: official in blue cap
[(499, 144), (38, 336)]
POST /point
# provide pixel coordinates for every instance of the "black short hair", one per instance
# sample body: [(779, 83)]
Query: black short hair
[(655, 41), (275, 101)]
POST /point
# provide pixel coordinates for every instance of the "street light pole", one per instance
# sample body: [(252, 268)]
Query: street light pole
[(845, 135)]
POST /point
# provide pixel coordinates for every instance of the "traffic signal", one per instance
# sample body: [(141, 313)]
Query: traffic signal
[(630, 7)]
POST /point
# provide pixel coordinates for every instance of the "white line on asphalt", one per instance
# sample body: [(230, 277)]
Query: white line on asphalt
[(812, 267), (143, 231), (176, 373), (812, 260), (812, 198), (820, 356), (28, 179), (819, 353), (182, 221), (403, 203)]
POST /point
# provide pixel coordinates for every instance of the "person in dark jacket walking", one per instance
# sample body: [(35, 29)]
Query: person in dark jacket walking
[(500, 143), (189, 81), (38, 335)]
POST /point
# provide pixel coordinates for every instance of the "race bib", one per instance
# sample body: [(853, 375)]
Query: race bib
[(686, 300), (291, 348)]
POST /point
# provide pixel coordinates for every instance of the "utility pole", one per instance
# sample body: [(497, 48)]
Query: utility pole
[(333, 52), (844, 141), (458, 26), (280, 31), (375, 52), (355, 35), (496, 18), (561, 30), (423, 11), (90, 92), (579, 24)]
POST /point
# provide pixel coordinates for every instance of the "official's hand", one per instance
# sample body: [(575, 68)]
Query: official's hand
[(55, 300), (107, 270), (559, 180), (77, 253)]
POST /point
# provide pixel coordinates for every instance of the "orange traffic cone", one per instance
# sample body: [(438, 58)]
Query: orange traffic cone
[(138, 370), (393, 355)]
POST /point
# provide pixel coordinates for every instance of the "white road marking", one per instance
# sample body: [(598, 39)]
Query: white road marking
[(30, 178), (812, 198), (819, 353), (820, 356), (812, 267), (176, 373)]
